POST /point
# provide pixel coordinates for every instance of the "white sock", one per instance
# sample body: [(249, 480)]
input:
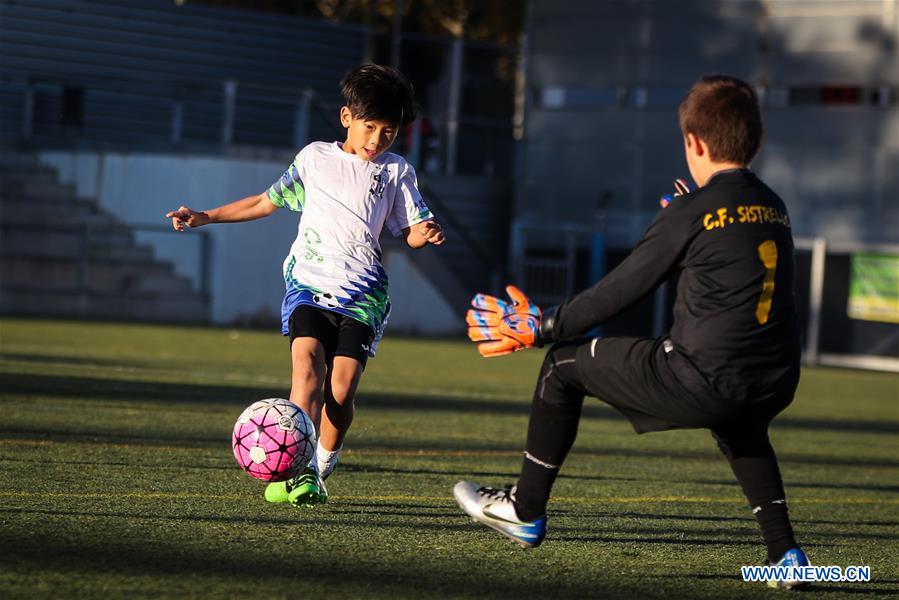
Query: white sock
[(313, 461), (326, 459)]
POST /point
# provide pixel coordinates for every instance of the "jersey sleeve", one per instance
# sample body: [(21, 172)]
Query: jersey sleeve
[(289, 191), (408, 206), (650, 263)]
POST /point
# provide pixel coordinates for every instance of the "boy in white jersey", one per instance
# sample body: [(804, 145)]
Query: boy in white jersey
[(336, 304)]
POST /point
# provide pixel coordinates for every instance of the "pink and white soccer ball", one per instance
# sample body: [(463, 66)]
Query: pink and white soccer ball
[(273, 439)]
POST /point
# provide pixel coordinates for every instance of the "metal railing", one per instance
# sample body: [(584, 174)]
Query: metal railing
[(307, 106), (545, 261)]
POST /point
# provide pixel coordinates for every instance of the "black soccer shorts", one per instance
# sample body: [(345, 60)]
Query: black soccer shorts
[(658, 388), (340, 335)]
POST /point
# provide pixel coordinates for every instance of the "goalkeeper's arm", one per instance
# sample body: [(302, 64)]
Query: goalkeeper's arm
[(647, 266)]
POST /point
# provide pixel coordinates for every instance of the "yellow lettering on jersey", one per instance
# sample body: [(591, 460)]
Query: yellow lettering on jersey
[(762, 214), (745, 214), (722, 217)]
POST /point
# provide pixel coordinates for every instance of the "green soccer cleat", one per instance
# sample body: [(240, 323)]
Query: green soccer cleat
[(306, 489)]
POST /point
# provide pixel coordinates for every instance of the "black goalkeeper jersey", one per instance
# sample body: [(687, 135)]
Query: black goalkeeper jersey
[(735, 314)]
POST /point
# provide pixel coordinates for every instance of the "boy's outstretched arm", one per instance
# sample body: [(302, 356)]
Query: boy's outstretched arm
[(245, 209), (424, 233)]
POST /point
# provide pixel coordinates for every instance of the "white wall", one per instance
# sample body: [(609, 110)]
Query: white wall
[(246, 278), (418, 306)]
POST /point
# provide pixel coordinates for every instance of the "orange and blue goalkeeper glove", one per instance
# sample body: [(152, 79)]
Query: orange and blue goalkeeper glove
[(505, 327)]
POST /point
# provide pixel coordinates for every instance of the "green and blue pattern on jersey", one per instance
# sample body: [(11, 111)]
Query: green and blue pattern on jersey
[(289, 191), (365, 300)]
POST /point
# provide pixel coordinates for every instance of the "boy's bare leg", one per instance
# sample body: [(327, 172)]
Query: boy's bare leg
[(337, 416), (340, 390), (308, 376)]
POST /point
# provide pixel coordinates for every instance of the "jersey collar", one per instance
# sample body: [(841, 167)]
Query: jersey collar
[(337, 147), (742, 170)]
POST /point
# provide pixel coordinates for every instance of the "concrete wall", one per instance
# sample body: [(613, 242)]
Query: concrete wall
[(246, 281), (604, 80)]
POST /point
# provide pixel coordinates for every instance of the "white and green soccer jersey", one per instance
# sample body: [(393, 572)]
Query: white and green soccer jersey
[(335, 261)]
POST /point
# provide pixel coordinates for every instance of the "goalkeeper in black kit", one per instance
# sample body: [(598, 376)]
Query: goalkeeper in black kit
[(729, 364)]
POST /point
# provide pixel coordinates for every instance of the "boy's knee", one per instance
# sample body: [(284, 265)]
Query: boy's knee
[(307, 373), (342, 381), (341, 392)]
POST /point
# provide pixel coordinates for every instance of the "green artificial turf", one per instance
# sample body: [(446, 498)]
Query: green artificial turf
[(117, 479)]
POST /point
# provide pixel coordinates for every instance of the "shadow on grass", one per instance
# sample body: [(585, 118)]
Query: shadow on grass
[(135, 390), (648, 516), (141, 391), (51, 359), (467, 473), (126, 390), (194, 439), (95, 436), (714, 518), (810, 424), (867, 487), (675, 541), (860, 588), (816, 588), (10, 464), (377, 573), (749, 531), (394, 517)]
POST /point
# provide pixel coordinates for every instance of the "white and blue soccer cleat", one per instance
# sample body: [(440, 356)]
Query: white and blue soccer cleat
[(793, 557), (495, 508)]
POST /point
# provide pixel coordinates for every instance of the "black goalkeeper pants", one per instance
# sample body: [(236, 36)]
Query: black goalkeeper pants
[(639, 379)]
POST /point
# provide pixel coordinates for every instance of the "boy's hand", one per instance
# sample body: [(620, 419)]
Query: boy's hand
[(506, 327), (681, 188), (186, 216), (432, 232)]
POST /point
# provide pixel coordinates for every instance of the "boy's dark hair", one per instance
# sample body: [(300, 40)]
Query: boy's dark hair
[(724, 112), (379, 93)]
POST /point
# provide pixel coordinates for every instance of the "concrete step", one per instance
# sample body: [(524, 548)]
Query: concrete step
[(70, 212), (188, 308), (164, 284), (52, 273), (137, 253), (64, 242), (66, 256), (15, 160), (20, 175), (38, 190), (68, 245)]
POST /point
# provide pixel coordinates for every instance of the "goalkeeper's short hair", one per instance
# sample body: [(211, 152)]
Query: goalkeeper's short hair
[(724, 112)]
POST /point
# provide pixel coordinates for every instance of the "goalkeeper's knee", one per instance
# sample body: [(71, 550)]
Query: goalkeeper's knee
[(558, 376)]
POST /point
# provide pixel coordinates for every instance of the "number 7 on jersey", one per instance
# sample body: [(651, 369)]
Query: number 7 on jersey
[(768, 256)]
